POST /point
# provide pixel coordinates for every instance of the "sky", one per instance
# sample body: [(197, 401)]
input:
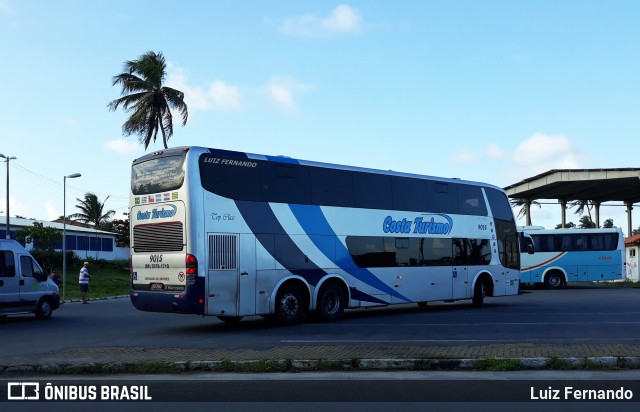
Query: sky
[(492, 91)]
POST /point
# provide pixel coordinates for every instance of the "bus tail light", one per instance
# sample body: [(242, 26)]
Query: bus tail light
[(191, 263)]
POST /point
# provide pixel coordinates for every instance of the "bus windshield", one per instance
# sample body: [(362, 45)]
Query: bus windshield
[(157, 175)]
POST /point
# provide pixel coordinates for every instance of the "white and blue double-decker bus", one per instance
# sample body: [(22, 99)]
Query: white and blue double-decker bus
[(232, 234), (573, 255)]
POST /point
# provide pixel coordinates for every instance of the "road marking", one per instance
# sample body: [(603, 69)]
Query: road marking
[(350, 325), (446, 340)]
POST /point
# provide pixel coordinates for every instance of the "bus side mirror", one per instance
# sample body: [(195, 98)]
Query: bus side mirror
[(531, 249), (528, 242)]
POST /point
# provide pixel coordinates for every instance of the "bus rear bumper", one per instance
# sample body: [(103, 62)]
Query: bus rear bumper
[(190, 302)]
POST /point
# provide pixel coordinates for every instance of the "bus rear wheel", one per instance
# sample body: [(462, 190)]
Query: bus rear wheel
[(479, 292), (289, 305), (331, 302)]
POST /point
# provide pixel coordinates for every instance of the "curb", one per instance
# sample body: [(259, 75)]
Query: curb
[(315, 365)]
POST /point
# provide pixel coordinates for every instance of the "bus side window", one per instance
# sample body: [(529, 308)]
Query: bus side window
[(565, 243), (580, 243)]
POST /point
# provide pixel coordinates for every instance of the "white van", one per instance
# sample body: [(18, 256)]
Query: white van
[(24, 287)]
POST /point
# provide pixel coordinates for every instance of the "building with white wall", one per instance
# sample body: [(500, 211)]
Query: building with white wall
[(632, 249), (86, 242)]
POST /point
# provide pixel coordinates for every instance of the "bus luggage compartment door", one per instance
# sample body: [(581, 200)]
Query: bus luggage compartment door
[(231, 274)]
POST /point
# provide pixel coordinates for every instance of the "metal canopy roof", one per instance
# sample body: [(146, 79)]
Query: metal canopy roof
[(599, 185), (595, 185)]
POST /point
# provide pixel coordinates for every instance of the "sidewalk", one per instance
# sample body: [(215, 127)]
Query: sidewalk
[(334, 357)]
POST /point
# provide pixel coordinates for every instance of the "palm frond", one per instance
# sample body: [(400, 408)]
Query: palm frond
[(149, 102)]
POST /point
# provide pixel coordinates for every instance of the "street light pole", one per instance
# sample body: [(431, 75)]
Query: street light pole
[(64, 232), (7, 236)]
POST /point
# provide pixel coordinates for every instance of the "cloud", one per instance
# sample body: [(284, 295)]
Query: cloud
[(68, 121), (224, 97), (216, 96), (532, 156), (542, 152), (15, 207), (281, 90), (4, 8), (463, 156), (494, 151), (343, 19), (123, 146), (52, 212)]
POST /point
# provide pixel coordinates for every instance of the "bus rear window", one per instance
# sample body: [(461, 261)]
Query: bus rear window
[(157, 175)]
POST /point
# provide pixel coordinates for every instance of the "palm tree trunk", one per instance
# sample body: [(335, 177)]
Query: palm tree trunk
[(164, 135)]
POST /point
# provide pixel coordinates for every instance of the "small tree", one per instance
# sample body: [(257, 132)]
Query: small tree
[(121, 229), (42, 237), (608, 223)]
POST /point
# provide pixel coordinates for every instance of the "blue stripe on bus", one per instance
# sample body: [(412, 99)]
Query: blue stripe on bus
[(265, 225), (314, 222), (360, 295), (282, 159), (228, 153)]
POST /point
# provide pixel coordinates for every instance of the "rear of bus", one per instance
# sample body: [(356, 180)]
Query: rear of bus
[(163, 275)]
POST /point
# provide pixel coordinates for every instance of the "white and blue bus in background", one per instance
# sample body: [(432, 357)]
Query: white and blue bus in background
[(233, 234), (573, 255)]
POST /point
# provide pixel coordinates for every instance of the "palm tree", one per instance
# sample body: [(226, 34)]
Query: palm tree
[(580, 205), (566, 225), (523, 205), (150, 101), (586, 222), (92, 210)]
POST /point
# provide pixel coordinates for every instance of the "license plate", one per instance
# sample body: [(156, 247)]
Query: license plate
[(157, 286)]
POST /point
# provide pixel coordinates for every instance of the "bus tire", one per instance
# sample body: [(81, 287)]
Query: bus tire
[(553, 280), (289, 305), (479, 292), (331, 302), (44, 309)]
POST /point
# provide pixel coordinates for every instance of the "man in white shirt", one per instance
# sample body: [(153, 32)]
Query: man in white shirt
[(84, 281)]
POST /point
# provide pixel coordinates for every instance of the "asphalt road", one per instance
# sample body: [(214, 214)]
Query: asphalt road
[(591, 315), (587, 314)]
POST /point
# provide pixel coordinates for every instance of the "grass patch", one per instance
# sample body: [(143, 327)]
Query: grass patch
[(499, 364), (108, 278), (623, 284)]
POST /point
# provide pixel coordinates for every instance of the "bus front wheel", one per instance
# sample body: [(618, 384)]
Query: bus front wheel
[(553, 280), (289, 305)]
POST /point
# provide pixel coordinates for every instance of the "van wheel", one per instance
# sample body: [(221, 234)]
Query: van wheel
[(44, 309), (479, 293), (331, 302), (289, 305)]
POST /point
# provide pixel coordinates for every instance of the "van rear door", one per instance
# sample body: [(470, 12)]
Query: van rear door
[(9, 289)]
